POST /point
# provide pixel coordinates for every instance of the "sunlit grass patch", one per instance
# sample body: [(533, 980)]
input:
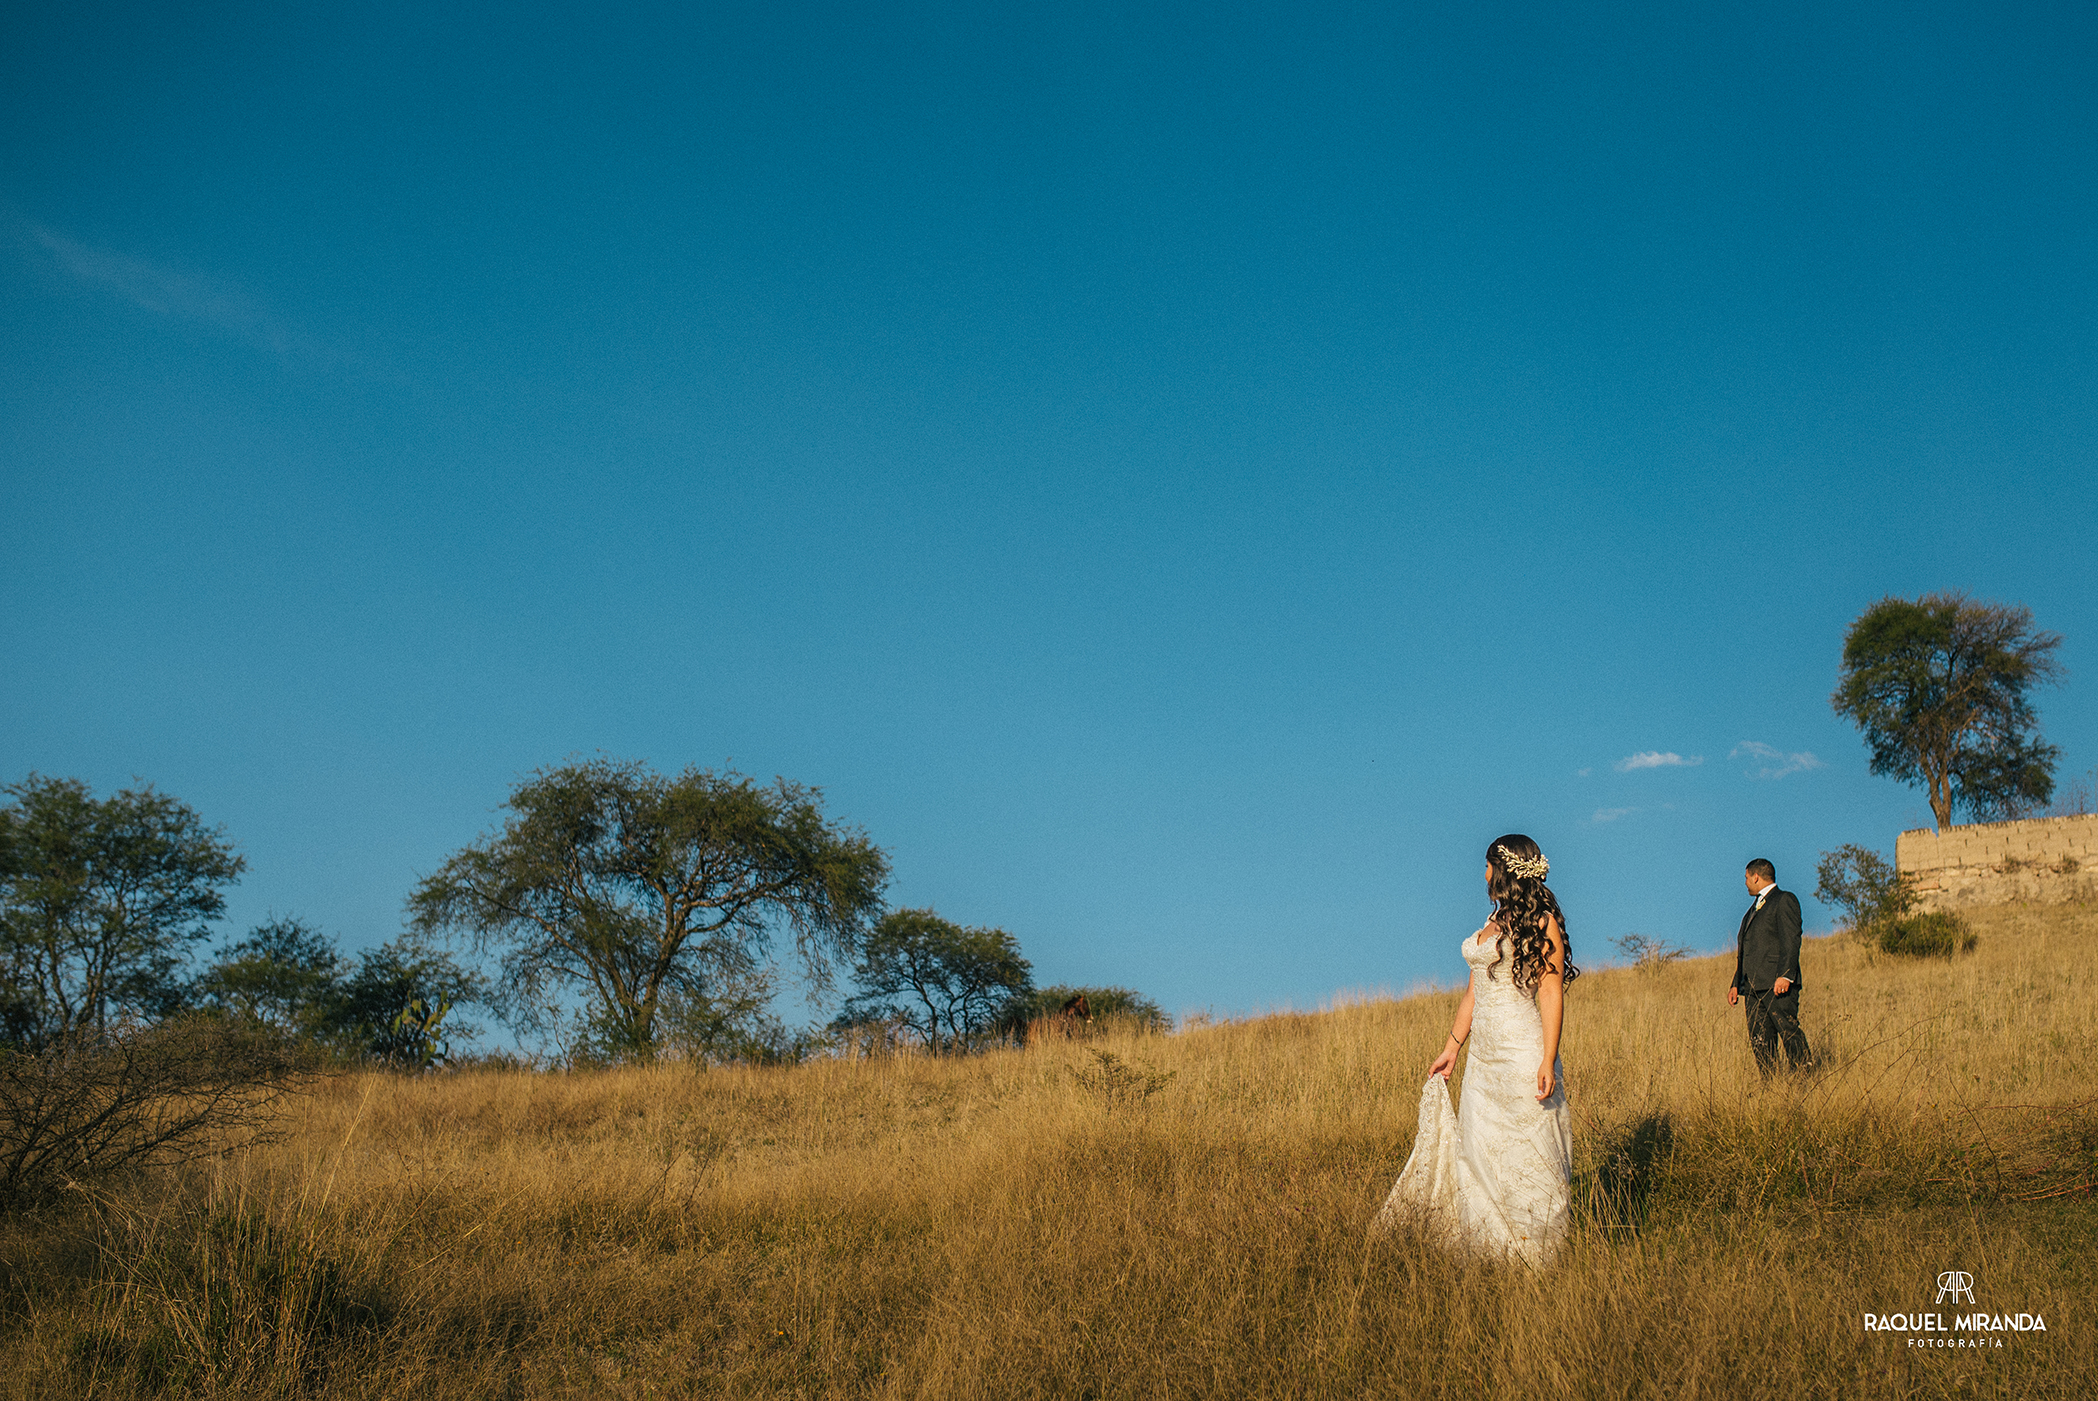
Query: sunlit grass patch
[(984, 1227)]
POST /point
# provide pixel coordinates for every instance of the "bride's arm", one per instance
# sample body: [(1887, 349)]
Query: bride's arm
[(1551, 1005), (1459, 1031)]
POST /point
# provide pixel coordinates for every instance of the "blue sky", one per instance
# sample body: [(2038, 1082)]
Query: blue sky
[(1182, 479)]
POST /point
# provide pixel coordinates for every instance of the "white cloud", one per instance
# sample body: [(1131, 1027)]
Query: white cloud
[(1584, 773), (1655, 759), (1611, 814), (1776, 762)]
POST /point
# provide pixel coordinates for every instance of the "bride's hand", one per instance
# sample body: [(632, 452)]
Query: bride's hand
[(1447, 1061), (1546, 1081)]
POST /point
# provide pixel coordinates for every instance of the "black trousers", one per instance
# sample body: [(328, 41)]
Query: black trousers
[(1773, 1018)]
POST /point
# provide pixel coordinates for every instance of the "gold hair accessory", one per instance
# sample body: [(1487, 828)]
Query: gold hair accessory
[(1528, 867)]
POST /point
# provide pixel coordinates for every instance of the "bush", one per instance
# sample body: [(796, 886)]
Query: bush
[(1113, 1081), (1112, 1008), (1865, 886), (88, 1105), (1939, 934), (1650, 955)]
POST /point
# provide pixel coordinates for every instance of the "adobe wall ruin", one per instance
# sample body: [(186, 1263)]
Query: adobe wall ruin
[(2035, 860)]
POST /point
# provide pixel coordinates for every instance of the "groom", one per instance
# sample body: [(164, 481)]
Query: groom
[(1766, 971)]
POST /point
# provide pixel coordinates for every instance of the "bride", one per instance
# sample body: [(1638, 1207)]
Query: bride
[(1492, 1177)]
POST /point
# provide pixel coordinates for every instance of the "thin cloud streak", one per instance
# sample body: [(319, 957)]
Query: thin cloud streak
[(176, 295), (1776, 762), (1656, 759), (1603, 815)]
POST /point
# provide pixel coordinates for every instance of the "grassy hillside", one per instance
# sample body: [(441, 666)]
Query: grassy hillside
[(987, 1228)]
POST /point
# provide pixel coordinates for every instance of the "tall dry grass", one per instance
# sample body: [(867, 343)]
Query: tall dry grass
[(989, 1228)]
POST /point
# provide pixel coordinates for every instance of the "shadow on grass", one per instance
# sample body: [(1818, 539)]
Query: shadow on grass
[(1630, 1165)]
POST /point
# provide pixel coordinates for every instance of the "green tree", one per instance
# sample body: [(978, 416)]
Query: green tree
[(99, 902), (1864, 885), (396, 1007), (628, 888), (392, 1005), (732, 1023), (1939, 685), (1106, 1004), (948, 984), (284, 974)]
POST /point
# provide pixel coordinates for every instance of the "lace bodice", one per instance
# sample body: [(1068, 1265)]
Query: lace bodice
[(1505, 1019)]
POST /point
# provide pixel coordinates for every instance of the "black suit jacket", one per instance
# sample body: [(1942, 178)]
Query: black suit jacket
[(1769, 944)]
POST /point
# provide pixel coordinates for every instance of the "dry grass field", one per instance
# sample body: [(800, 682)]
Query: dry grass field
[(991, 1228)]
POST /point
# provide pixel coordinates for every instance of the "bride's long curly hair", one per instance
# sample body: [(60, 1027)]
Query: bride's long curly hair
[(1520, 906)]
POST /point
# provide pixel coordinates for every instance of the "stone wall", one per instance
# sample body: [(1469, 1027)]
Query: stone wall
[(2041, 860)]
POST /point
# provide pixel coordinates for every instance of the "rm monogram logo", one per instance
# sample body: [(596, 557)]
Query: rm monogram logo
[(1955, 1285)]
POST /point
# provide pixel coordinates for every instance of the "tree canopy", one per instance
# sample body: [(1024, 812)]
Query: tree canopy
[(1940, 687), (1107, 1005), (100, 900), (396, 1007), (643, 894), (946, 983), (284, 974), (392, 1005)]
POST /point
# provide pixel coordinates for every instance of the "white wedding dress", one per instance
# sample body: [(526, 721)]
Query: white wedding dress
[(1493, 1176)]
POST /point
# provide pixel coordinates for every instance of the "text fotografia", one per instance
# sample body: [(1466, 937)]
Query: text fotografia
[(1967, 1329)]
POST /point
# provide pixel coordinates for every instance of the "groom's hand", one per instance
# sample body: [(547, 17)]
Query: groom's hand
[(1781, 986), (1733, 995)]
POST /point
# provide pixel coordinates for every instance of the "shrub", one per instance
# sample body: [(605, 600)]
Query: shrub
[(91, 1104), (1649, 955), (1865, 886), (1938, 934), (1114, 1081)]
